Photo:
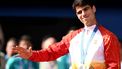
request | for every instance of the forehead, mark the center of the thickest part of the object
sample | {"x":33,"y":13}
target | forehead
{"x":22,"y":41}
{"x":11,"y":42}
{"x":82,"y":7}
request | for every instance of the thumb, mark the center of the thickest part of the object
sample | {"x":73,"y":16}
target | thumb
{"x":30,"y":49}
{"x":29,"y":52}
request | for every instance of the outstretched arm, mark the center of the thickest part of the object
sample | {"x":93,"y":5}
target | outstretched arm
{"x":51,"y":53}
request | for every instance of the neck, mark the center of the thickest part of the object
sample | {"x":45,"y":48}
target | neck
{"x":89,"y":25}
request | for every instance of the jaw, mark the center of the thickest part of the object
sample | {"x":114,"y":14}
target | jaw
{"x":86,"y":23}
{"x":89,"y":22}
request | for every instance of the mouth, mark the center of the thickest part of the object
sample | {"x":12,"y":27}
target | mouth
{"x":85,"y":19}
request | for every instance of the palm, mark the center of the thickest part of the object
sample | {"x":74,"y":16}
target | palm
{"x":24,"y":53}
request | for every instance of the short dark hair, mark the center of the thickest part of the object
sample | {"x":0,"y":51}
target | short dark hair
{"x":82,"y":3}
{"x":12,"y":39}
{"x":27,"y":39}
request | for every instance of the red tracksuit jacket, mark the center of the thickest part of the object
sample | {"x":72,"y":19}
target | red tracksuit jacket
{"x":111,"y":49}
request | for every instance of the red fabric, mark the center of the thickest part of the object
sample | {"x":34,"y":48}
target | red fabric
{"x":111,"y":49}
{"x":54,"y":51}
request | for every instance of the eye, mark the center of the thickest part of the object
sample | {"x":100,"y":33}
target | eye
{"x":79,"y":12}
{"x":85,"y":9}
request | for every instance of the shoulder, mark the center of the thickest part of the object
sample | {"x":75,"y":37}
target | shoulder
{"x":105,"y":31}
{"x":13,"y":62}
{"x":106,"y":34}
{"x":14,"y":59}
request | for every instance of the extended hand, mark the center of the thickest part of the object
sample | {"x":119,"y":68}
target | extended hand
{"x":24,"y":53}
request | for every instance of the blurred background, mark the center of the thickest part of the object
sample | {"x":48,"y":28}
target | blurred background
{"x":41,"y":17}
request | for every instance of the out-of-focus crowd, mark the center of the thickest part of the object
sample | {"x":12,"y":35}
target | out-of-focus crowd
{"x":11,"y":60}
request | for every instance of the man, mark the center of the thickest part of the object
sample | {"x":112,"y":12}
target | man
{"x":91,"y":47}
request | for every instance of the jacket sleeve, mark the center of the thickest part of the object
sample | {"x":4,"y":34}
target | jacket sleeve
{"x":51,"y":53}
{"x":112,"y":52}
{"x":54,"y":51}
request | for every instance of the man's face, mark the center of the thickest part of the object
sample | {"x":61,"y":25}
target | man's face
{"x":86,"y":14}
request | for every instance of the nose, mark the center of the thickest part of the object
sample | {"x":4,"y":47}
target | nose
{"x":83,"y":14}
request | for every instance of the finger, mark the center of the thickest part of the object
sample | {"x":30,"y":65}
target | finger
{"x":18,"y":49}
{"x":30,"y":52}
{"x":14,"y":49}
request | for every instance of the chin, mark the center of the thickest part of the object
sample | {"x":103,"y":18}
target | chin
{"x":88,"y":24}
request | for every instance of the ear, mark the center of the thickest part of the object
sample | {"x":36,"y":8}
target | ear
{"x":94,"y":8}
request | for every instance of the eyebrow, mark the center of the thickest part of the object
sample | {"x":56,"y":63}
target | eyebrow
{"x":84,"y":8}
